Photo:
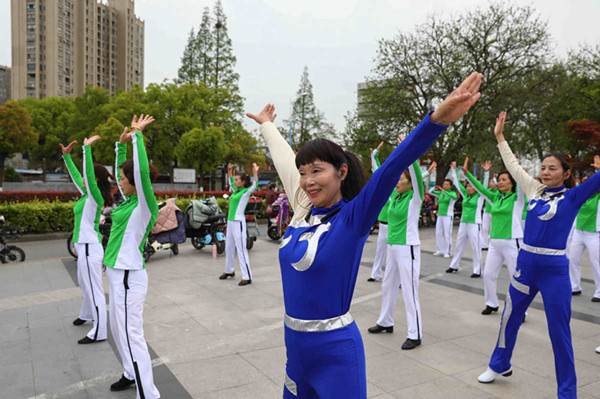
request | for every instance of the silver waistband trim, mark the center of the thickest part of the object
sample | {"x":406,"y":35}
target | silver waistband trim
{"x":290,"y":385}
{"x":543,"y":251}
{"x":318,"y":325}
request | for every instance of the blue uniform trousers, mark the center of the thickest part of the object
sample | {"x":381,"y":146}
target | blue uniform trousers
{"x":325,"y":364}
{"x":532,"y":275}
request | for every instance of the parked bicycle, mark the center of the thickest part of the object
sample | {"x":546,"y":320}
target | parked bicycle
{"x":10,"y":253}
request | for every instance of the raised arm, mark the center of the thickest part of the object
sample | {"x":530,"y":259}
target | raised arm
{"x":121,"y":156}
{"x":485,"y":192}
{"x":375,"y":164}
{"x":417,"y":178}
{"x":284,"y":160}
{"x":91,"y":184}
{"x":588,"y":188}
{"x":71,"y":168}
{"x":141,"y":166}
{"x":528,"y":184}
{"x":461,"y":189}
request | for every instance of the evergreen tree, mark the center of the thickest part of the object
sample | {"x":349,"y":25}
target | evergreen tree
{"x":187,"y":71}
{"x":307,"y":121}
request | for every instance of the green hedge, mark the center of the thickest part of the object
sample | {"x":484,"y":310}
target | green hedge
{"x":51,"y":216}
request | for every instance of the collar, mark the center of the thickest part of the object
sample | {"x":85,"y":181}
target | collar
{"x":324,"y":211}
{"x":556,"y":190}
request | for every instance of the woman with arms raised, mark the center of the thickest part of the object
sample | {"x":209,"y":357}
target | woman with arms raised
{"x":542,"y":264}
{"x":321,"y":250}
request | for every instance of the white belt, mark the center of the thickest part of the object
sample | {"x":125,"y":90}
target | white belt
{"x":543,"y":251}
{"x":318,"y":325}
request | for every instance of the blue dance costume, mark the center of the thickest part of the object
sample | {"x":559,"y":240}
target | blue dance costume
{"x":542,"y":265}
{"x":319,"y":258}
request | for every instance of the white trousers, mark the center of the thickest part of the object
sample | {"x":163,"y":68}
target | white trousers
{"x":128,"y":290}
{"x":581,"y":241}
{"x":402,"y":268}
{"x":500,"y":250}
{"x":236,"y":240}
{"x":89,"y":276}
{"x":486,"y":224}
{"x":467,"y":232}
{"x":443,"y":235}
{"x":380,"y":252}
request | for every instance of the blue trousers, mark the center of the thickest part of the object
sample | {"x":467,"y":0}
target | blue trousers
{"x":532,"y":275}
{"x":325,"y":364}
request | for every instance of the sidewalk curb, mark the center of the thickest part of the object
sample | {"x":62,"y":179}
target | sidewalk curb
{"x":44,"y":237}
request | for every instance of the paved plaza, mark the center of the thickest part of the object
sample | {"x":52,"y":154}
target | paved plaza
{"x":212,"y":339}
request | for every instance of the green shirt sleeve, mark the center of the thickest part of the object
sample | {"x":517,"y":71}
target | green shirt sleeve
{"x":479,"y":187}
{"x":461,"y":189}
{"x":120,"y":157}
{"x":450,"y":193}
{"x":141,"y":174}
{"x":417,"y":178}
{"x":74,"y":173}
{"x":90,"y":176}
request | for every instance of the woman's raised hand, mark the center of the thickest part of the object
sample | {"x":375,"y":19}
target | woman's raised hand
{"x":125,"y":136}
{"x":438,"y":188}
{"x":266,"y":115}
{"x":459,"y":101}
{"x":487,"y":165}
{"x":465,"y":166}
{"x":400,"y":139}
{"x":91,"y":140}
{"x":596,"y":163}
{"x":137,"y":125}
{"x":255,"y":169}
{"x":432,"y":168}
{"x":500,"y":127}
{"x":376,"y":149}
{"x":67,"y":150}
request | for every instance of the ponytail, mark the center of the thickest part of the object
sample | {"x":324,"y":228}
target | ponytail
{"x":104,"y":183}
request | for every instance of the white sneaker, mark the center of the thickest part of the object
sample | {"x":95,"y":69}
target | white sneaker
{"x":447,"y":256}
{"x":490,"y":375}
{"x":437,"y":254}
{"x":598,"y":349}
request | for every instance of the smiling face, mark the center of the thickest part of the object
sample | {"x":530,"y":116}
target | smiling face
{"x":470,"y":189}
{"x":238,"y":182}
{"x":504,"y":183}
{"x":552,"y":173}
{"x":404,"y":184}
{"x":446,"y":185}
{"x":322,"y":182}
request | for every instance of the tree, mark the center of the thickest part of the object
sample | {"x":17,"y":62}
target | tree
{"x":307,"y":121}
{"x":16,"y":133}
{"x":202,"y":149}
{"x":104,"y":149}
{"x":413,"y":72}
{"x":197,"y":61}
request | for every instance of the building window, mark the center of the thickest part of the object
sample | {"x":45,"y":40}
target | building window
{"x":30,"y":57}
{"x":59,"y":48}
{"x":31,"y":76}
{"x":60,"y":68}
{"x":30,"y":38}
{"x":31,"y":27}
{"x":30,"y":86}
{"x":30,"y":17}
{"x":31,"y":7}
{"x":31,"y":47}
{"x":59,"y":87}
{"x":60,"y":58}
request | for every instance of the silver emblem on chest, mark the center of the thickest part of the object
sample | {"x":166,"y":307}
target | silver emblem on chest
{"x":311,"y":250}
{"x":553,"y":207}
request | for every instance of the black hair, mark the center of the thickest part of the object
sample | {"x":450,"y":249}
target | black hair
{"x":245,"y":178}
{"x":127,"y":168}
{"x":514,"y":183}
{"x":104,"y":183}
{"x":330,"y":152}
{"x":449,"y":181}
{"x":272,"y":186}
{"x":565,"y":162}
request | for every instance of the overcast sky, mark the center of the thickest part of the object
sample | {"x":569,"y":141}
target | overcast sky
{"x":336,"y":39}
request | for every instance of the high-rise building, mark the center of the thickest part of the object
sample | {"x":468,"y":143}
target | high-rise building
{"x":61,"y":46}
{"x":4,"y":84}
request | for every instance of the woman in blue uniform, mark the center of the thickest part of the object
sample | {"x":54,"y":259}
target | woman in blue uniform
{"x":542,"y":264}
{"x":320,"y":253}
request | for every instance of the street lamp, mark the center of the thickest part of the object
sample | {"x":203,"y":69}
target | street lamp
{"x":302,"y":95}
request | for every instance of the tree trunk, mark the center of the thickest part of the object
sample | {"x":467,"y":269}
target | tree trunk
{"x":2,"y":159}
{"x":442,"y":171}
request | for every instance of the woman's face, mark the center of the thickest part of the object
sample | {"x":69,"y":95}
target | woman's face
{"x":126,"y":187}
{"x":504,"y":183}
{"x":446,"y":185}
{"x":493,"y":185}
{"x":238,"y":182}
{"x":322,"y":182}
{"x":404,"y":184}
{"x":552,"y":173}
{"x":470,"y":189}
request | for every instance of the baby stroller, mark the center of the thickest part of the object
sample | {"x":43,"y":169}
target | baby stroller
{"x":253,"y":207}
{"x":280,"y":217}
{"x":205,"y":224}
{"x":168,"y":231}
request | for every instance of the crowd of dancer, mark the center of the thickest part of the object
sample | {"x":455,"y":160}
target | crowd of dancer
{"x":334,"y":209}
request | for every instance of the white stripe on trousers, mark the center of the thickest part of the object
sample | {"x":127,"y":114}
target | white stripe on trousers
{"x":581,"y":241}
{"x":467,"y":232}
{"x":486,"y":224}
{"x":128,"y":290}
{"x":89,"y":276}
{"x":380,"y":252}
{"x":500,"y":250}
{"x":236,"y":240}
{"x":403,"y":267}
{"x":443,"y":235}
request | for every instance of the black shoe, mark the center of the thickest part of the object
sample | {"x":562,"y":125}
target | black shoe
{"x":489,"y":310}
{"x":88,"y":340}
{"x":575,"y":293}
{"x":78,"y":322}
{"x":245,"y":282}
{"x":371,"y":279}
{"x":451,"y":270}
{"x":594,"y":299}
{"x":225,"y":275}
{"x":524,"y":317}
{"x":411,"y":344}
{"x":475,"y":275}
{"x":376,"y":329}
{"x":484,"y":249}
{"x":122,"y":384}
